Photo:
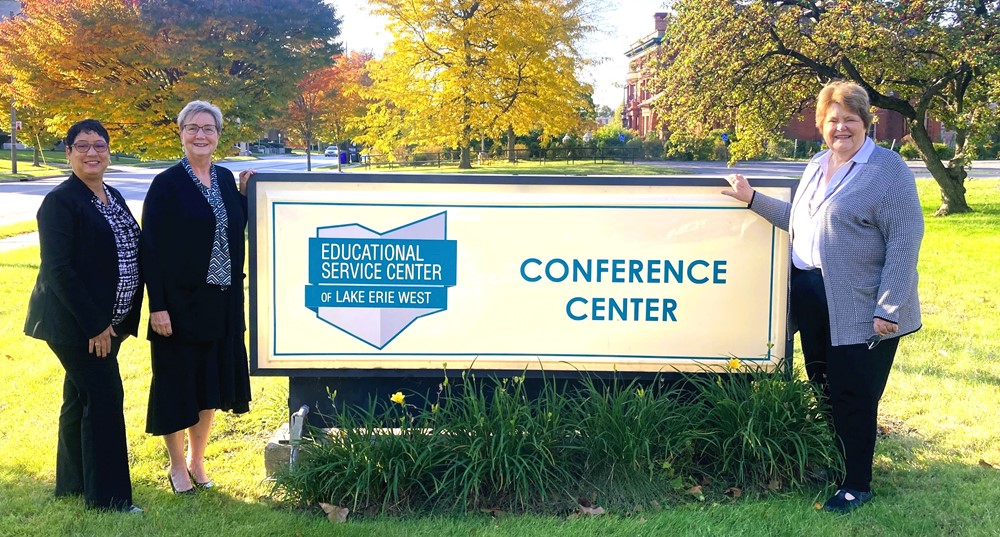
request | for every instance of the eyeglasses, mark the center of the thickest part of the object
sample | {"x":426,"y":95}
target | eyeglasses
{"x":873,"y":341}
{"x":193,"y":129}
{"x":84,"y":147}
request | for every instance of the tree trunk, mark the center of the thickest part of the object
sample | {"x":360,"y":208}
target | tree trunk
{"x":950,"y":178}
{"x":511,"y":142}
{"x":465,"y":162}
{"x":37,"y":155}
{"x":309,"y":162}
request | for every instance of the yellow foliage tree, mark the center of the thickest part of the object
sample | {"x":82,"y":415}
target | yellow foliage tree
{"x":461,"y":68}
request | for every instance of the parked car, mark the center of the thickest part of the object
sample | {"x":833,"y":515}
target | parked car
{"x":331,"y":151}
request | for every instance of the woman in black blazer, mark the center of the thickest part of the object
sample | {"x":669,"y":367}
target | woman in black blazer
{"x":193,"y":222}
{"x":86,"y":300}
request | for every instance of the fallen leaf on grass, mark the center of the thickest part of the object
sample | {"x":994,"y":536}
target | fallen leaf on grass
{"x":335,"y":513}
{"x":774,"y":485}
{"x":817,"y":506}
{"x":735,"y":492}
{"x":985,"y":464}
{"x":597,"y":510}
{"x":697,"y":493}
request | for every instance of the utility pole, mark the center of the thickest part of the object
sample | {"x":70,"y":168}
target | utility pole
{"x":13,"y":137}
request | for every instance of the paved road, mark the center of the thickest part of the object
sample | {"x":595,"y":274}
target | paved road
{"x":19,"y":200}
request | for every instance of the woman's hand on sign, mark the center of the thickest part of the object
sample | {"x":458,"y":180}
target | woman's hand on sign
{"x":739,"y":188}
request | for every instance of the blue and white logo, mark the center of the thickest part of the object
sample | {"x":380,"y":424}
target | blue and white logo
{"x":374,"y":285}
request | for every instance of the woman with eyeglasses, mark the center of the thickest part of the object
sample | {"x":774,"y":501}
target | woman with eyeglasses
{"x":856,"y":226}
{"x":86,"y":300}
{"x":193,"y":222}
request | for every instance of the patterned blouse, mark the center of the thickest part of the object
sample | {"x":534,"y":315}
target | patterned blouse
{"x":220,"y":264}
{"x":126,"y":232}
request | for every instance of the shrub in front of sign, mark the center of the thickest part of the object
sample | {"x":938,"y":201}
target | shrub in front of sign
{"x":760,"y":429}
{"x":490,"y":444}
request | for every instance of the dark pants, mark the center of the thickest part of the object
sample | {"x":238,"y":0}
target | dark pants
{"x":92,"y":457}
{"x":851,"y":376}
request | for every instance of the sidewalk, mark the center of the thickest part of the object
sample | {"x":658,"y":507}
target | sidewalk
{"x":19,"y":241}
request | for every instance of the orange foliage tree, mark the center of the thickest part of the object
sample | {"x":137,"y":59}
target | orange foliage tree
{"x":134,"y":63}
{"x":327,"y":102}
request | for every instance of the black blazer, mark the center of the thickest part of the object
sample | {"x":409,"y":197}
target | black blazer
{"x":74,"y":295}
{"x":178,"y":228}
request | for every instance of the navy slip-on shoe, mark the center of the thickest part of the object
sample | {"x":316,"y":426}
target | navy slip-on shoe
{"x":847,"y":500}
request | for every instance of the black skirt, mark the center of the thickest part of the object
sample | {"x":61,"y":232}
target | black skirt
{"x":191,"y":376}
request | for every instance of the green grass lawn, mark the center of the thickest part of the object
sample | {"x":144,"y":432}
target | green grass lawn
{"x":932,"y":468}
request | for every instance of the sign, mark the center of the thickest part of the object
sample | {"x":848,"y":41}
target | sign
{"x":17,"y":125}
{"x":407,"y":273}
{"x":621,"y":138}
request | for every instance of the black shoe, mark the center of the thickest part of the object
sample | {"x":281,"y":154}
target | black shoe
{"x":173,"y":488}
{"x":206,"y":485}
{"x":847,"y":500}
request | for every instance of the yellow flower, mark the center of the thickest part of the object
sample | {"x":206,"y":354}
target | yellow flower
{"x":641,"y":392}
{"x":398,"y":397}
{"x":734,"y":363}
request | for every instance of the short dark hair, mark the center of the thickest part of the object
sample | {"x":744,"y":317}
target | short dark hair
{"x":86,"y":125}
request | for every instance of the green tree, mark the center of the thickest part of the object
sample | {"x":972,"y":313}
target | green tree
{"x":756,"y":63}
{"x":462,"y":68}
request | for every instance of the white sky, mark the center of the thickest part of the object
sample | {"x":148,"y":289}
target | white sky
{"x":625,"y":22}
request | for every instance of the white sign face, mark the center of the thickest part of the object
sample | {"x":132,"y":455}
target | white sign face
{"x":415,"y":275}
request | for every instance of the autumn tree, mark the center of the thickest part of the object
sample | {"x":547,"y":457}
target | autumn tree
{"x":457,"y":69}
{"x":135,"y":63}
{"x":326,"y":101}
{"x":757,"y":63}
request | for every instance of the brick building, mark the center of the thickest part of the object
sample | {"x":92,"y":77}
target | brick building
{"x":638,"y":113}
{"x":886,"y":126}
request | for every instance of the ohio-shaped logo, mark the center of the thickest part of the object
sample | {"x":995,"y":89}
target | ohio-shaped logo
{"x":374,"y":285}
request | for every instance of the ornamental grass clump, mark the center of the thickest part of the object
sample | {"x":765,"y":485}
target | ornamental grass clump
{"x":384,"y":457}
{"x":506,"y":449}
{"x":497,"y":444}
{"x":758,"y":428}
{"x":637,"y":431}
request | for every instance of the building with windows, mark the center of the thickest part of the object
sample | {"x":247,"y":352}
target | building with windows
{"x":637,"y":112}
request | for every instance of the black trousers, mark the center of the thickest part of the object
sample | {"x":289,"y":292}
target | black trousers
{"x":92,"y":456}
{"x":852,"y":377}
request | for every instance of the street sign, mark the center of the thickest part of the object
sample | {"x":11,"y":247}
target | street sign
{"x":17,"y":125}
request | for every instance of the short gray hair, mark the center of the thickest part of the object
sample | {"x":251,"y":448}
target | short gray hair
{"x":194,"y":108}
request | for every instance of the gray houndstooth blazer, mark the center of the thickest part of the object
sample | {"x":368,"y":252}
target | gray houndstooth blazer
{"x":870,"y":233}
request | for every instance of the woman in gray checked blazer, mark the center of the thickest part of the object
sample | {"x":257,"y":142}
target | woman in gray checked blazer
{"x":856,"y":225}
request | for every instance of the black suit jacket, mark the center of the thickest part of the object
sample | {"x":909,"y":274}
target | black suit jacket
{"x":178,"y":228}
{"x":74,"y":295}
